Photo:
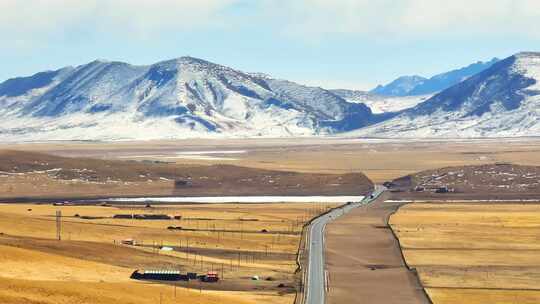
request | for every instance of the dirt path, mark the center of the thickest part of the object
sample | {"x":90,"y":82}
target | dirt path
{"x":364,"y":261}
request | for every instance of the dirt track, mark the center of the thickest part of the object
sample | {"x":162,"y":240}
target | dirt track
{"x":364,"y":260}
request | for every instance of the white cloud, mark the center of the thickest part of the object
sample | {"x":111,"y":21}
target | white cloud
{"x":28,"y":19}
{"x":147,"y":16}
{"x":406,"y":18}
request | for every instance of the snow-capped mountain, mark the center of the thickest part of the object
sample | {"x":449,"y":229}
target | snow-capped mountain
{"x":189,"y":97}
{"x":503,"y":100}
{"x":418,"y":85}
{"x":179,"y":98}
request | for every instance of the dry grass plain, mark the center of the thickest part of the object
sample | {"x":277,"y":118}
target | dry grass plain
{"x":218,"y":234}
{"x":473,"y":253}
{"x":380,"y":160}
{"x":90,"y":266}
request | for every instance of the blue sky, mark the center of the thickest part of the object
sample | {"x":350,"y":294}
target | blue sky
{"x":329,"y":43}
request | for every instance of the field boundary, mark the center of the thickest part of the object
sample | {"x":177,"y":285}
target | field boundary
{"x":411,"y":269}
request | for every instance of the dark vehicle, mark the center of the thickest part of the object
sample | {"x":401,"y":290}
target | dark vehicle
{"x":442,"y":190}
{"x":181,"y":183}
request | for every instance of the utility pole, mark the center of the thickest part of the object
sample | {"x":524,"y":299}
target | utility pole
{"x":187,"y":249}
{"x":59,"y":225}
{"x":222,"y":272}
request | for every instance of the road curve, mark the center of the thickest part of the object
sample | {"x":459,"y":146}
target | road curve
{"x":316,"y":275}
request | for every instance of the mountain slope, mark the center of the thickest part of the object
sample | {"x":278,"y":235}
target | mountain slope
{"x":503,"y":100}
{"x":179,"y":98}
{"x":417,"y":85}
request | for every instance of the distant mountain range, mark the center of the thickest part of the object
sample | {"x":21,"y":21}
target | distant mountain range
{"x":418,"y":85}
{"x":503,"y":100}
{"x":189,"y":97}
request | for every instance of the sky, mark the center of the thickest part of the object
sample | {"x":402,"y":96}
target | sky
{"x":354,"y":44}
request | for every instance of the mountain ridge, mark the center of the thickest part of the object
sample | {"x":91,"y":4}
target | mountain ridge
{"x":417,"y":85}
{"x":188,"y":97}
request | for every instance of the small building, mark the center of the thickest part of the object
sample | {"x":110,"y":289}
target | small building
{"x":130,"y":242}
{"x":158,"y":275}
{"x":151,"y":217}
{"x":211,"y":277}
{"x":123,"y":216}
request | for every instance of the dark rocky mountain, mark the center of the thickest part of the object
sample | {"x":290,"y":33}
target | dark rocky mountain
{"x":402,"y":86}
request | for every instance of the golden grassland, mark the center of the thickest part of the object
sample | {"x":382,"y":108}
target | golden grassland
{"x":380,"y":160}
{"x":90,"y":266}
{"x":473,"y":252}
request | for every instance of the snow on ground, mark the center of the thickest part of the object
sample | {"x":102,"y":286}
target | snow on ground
{"x":241,"y":199}
{"x":394,"y":104}
{"x":196,"y":155}
{"x":528,"y":64}
{"x":212,"y":152}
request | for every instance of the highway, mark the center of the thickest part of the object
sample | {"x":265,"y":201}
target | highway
{"x":315,"y":289}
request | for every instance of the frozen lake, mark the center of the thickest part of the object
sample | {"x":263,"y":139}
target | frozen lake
{"x":241,"y":199}
{"x":195,"y":155}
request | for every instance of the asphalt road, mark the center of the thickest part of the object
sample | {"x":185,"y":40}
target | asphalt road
{"x":316,"y":273}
